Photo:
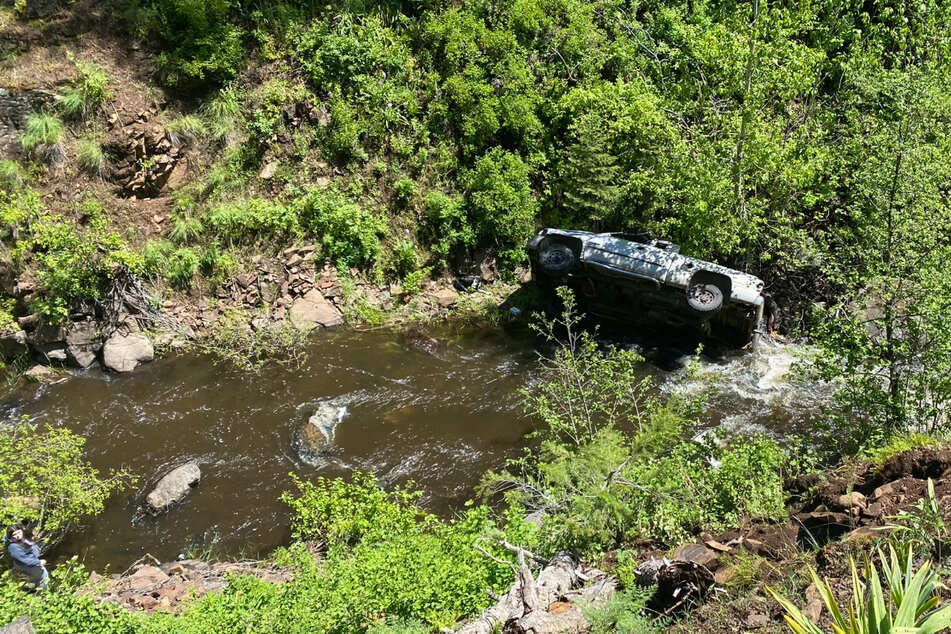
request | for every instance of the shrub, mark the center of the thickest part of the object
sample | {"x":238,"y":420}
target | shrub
{"x":349,"y":234}
{"x":413,"y":282}
{"x":403,"y":258}
{"x":71,"y":262}
{"x":43,"y":138}
{"x":65,"y":606}
{"x":201,"y":45}
{"x":600,"y":486}
{"x":45,"y":480}
{"x":185,"y":229}
{"x":501,"y":203}
{"x":11,"y":177}
{"x":85,"y":94}
{"x":251,"y":219}
{"x":156,"y":255}
{"x":216,"y":265}
{"x":181,"y":269}
{"x":447,"y":225}
{"x":252,"y":349}
{"x":385,"y":555}
{"x":910,"y":605}
{"x":404,"y":189}
{"x":90,"y":156}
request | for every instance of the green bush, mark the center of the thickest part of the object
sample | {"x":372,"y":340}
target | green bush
{"x":182,"y":267}
{"x":404,"y":190}
{"x":64,"y":607}
{"x":601,"y":486}
{"x":72,"y":262}
{"x":156,"y":255}
{"x":11,"y":176}
{"x":381,"y":545}
{"x":501,"y":203}
{"x":216,"y":265}
{"x":403,"y":258}
{"x":348,"y":233}
{"x":201,"y":45}
{"x":447,"y":226}
{"x":44,"y":478}
{"x":252,"y":219}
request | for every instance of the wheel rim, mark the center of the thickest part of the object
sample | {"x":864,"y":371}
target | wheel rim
{"x":702,"y":295}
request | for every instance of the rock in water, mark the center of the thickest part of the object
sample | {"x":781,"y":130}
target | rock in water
{"x":317,"y":434}
{"x":174,"y":486}
{"x":123,"y":353}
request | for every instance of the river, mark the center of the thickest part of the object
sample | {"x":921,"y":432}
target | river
{"x":439,"y":419}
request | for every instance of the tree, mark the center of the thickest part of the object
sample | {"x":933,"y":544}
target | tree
{"x":590,"y":173}
{"x":888,"y":341}
{"x":45,"y":480}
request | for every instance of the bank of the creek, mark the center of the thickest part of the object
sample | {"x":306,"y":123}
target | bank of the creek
{"x":439,"y":418}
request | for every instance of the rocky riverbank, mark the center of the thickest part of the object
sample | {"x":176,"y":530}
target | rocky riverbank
{"x":290,"y":291}
{"x":714,"y":584}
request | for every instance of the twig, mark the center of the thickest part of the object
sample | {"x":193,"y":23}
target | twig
{"x":496,"y":559}
{"x":518,"y":549}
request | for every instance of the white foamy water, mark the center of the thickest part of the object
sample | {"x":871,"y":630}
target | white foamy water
{"x":752,"y":392}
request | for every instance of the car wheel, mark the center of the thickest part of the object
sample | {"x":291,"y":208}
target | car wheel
{"x":556,"y":259}
{"x":705,"y":297}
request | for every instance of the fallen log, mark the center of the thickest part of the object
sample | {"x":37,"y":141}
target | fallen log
{"x":546,"y":604}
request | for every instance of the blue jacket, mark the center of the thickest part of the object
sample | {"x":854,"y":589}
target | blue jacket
{"x":24,"y":554}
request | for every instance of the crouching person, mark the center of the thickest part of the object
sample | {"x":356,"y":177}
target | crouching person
{"x":26,"y":555}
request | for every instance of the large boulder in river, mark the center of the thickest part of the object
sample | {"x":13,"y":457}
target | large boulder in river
{"x":316,"y":436}
{"x":83,"y":343}
{"x":123,"y":353}
{"x":313,"y":310}
{"x":174,"y":486}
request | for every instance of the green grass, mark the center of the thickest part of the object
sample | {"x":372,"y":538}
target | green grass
{"x":42,"y":137}
{"x":879,"y":456}
{"x":185,"y":130}
{"x":11,"y":176}
{"x":90,"y":157}
{"x":86,"y":94}
{"x":185,"y":229}
{"x":222,"y":114}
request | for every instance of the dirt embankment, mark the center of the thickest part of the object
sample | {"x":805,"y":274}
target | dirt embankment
{"x":833,"y":517}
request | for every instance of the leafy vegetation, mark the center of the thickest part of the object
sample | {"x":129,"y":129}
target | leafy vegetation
{"x":46,"y":481}
{"x":71,"y":262}
{"x":911,"y":604}
{"x":614,"y":464}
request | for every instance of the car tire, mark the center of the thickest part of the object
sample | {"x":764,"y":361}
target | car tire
{"x":705,"y":297}
{"x":556,"y":259}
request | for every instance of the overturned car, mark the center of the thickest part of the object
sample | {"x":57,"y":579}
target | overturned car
{"x":634,"y":279}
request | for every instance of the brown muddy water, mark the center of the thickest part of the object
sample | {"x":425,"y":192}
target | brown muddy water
{"x":440,"y":420}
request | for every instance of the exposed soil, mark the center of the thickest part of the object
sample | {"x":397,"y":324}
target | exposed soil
{"x":829,"y":523}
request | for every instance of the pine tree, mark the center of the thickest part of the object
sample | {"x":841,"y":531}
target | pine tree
{"x":588,"y":186}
